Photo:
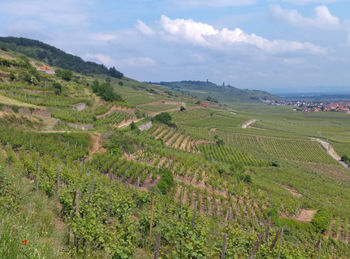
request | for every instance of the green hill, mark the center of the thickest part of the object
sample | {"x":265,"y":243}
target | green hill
{"x":222,"y":93}
{"x":55,"y":57}
{"x":99,"y":167}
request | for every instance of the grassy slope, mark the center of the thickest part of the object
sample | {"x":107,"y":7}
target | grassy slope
{"x":28,"y":215}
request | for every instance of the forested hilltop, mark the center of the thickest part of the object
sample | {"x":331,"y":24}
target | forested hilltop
{"x":95,"y":166}
{"x":55,"y":57}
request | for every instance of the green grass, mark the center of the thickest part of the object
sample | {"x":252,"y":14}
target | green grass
{"x":9,"y":101}
{"x":27,"y":215}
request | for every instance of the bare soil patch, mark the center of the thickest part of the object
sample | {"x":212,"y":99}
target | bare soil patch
{"x":305,"y":215}
{"x":97,"y":145}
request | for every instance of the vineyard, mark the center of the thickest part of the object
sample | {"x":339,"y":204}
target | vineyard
{"x":229,"y":155}
{"x":193,"y":185}
{"x":173,"y":138}
{"x":282,"y":148}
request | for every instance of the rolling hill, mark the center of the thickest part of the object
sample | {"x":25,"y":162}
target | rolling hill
{"x":223,"y":93}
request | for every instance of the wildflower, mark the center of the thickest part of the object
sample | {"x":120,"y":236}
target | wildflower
{"x":24,"y":241}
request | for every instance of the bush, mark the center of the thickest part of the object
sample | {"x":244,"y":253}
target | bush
{"x":164,"y":117}
{"x":57,"y":88}
{"x":321,"y":221}
{"x":64,"y":74}
{"x":246,"y":178}
{"x":166,"y":182}
{"x":105,"y":90}
{"x":15,"y":108}
{"x":345,"y":158}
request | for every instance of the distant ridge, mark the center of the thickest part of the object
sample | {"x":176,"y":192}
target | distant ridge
{"x":222,"y":93}
{"x":55,"y":57}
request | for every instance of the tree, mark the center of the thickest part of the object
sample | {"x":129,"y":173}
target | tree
{"x":57,"y":88}
{"x":12,"y":76}
{"x":219,"y":142}
{"x":64,"y":74}
{"x":166,"y":182}
{"x":115,"y":73}
{"x":164,"y":117}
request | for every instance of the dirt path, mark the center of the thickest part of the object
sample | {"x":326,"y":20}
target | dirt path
{"x":97,"y":145}
{"x":248,"y":123}
{"x":331,"y":151}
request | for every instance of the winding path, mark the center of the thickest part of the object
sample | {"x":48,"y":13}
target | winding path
{"x":248,"y":123}
{"x":331,"y":151}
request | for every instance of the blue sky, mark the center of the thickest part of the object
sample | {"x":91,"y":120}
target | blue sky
{"x":276,"y":45}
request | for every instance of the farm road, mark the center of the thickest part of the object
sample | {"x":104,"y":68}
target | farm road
{"x":331,"y":151}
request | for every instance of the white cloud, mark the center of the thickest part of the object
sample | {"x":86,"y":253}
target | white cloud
{"x":323,"y":18}
{"x":66,"y":12}
{"x":100,"y":58}
{"x":206,"y":35}
{"x":304,"y":2}
{"x":102,"y":36}
{"x":293,"y":61}
{"x":138,"y":62}
{"x":215,"y":3}
{"x":143,"y":28}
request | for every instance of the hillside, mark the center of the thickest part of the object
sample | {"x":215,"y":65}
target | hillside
{"x":99,"y":167}
{"x":55,"y":57}
{"x":222,"y":93}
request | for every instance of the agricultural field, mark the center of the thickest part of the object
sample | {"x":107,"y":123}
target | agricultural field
{"x":181,"y":188}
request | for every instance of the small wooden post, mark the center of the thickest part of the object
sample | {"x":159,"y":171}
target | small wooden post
{"x":279,"y":248}
{"x":223,"y":251}
{"x":180,"y":207}
{"x":151,"y":220}
{"x":87,"y":174}
{"x":109,"y":205}
{"x":92,"y":188}
{"x":257,"y":245}
{"x":267,"y":229}
{"x":77,"y":204}
{"x":319,"y":248}
{"x":58,"y":180}
{"x":71,"y":215}
{"x":156,"y":255}
{"x":37,"y":176}
{"x":194,"y":213}
{"x":275,"y":239}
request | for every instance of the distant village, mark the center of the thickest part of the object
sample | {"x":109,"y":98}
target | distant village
{"x":318,"y":106}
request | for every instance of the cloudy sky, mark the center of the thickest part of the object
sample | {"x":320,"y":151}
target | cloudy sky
{"x":277,"y":45}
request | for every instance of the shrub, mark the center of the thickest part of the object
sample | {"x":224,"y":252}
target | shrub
{"x":164,"y":117}
{"x":64,"y":74}
{"x":345,"y":158}
{"x":105,"y":90}
{"x":166,"y":182}
{"x":321,"y":221}
{"x":15,"y":108}
{"x":57,"y":87}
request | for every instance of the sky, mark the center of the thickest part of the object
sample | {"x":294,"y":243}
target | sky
{"x":274,"y":45}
